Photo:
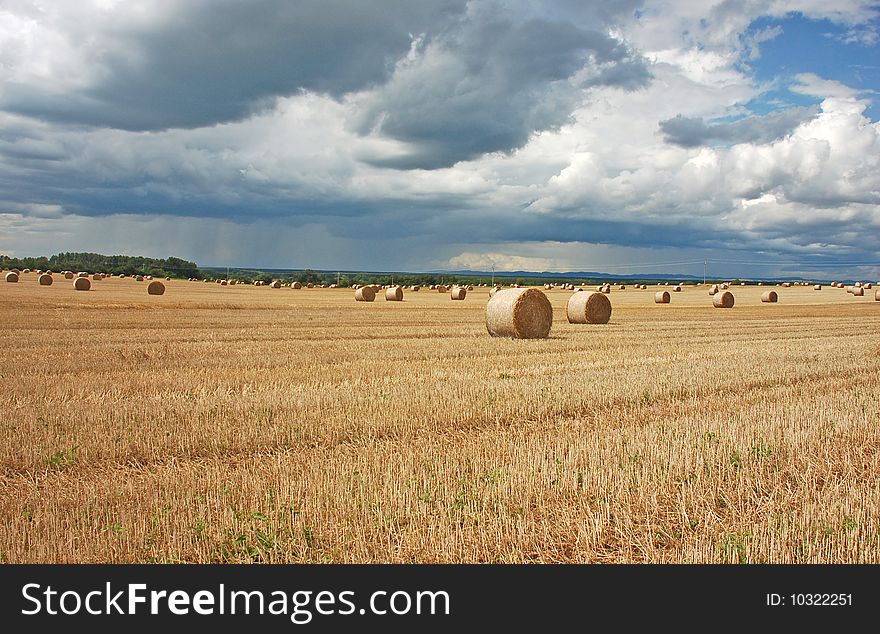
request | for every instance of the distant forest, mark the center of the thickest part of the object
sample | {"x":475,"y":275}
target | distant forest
{"x":113,"y":264}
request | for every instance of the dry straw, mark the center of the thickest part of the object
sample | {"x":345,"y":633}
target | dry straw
{"x":45,"y":280}
{"x":82,"y":284}
{"x":365,"y":294}
{"x":770,"y":297}
{"x":858,"y":291}
{"x":588,"y":308}
{"x":394,"y":294}
{"x":519,"y":313}
{"x":459,"y":293}
{"x":12,"y":277}
{"x":662,"y":297}
{"x":723,"y":300}
{"x":156,"y":288}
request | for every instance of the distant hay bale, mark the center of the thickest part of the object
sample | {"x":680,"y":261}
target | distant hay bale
{"x":334,"y":286}
{"x":275,"y":284}
{"x":26,"y":271}
{"x":858,"y":284}
{"x":662,"y":297}
{"x":365,"y":294}
{"x":416,"y":288}
{"x":858,"y":291}
{"x":442,"y":289}
{"x":233,"y":282}
{"x":723,"y":300}
{"x":68,"y":275}
{"x":817,"y":287}
{"x":45,"y":280}
{"x":622,"y":287}
{"x":310,"y":285}
{"x":770,"y":297}
{"x":82,"y":274}
{"x":877,"y":295}
{"x":742,"y":283}
{"x":394,"y":294}
{"x":82,"y":284}
{"x":223,"y":283}
{"x":12,"y":277}
{"x":786,"y":285}
{"x":760,"y":283}
{"x":494,"y":290}
{"x":296,"y":285}
{"x":606,"y":289}
{"x":167,"y":278}
{"x":459,"y":293}
{"x":519,"y":313}
{"x":156,"y":288}
{"x":588,"y":308}
{"x":867,"y":286}
{"x":676,"y":289}
{"x":713,"y":289}
{"x":725,"y":286}
{"x":547,"y":287}
{"x":140,"y":278}
{"x":849,"y":289}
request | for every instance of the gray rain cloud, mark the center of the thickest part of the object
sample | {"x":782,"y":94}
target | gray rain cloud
{"x":694,"y":131}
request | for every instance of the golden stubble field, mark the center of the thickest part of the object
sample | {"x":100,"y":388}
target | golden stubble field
{"x":230,"y":424}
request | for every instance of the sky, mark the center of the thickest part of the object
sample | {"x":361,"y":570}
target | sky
{"x":390,"y":135}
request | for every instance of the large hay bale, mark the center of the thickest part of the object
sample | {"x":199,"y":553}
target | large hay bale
{"x":858,"y":291}
{"x":296,"y":285}
{"x":519,"y":313}
{"x":867,"y":286}
{"x":156,"y":288}
{"x":588,"y":308}
{"x":724,"y":299}
{"x":459,"y":293}
{"x":662,"y":297}
{"x":82,"y":284}
{"x":365,"y":294}
{"x":12,"y":277}
{"x":877,"y":295}
{"x":713,"y":289}
{"x":769,"y":297}
{"x":394,"y":294}
{"x":45,"y":280}
{"x":849,"y":289}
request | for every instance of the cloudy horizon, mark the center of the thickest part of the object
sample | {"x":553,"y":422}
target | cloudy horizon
{"x":447,"y":134}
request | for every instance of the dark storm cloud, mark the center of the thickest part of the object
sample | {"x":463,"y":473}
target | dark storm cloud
{"x":216,"y":61}
{"x":489,"y":84}
{"x":694,"y":131}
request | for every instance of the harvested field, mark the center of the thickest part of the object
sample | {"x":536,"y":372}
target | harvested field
{"x":229,"y":423}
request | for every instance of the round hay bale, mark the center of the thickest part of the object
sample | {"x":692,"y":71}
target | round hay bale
{"x":742,"y":283}
{"x":817,"y":287}
{"x":770,"y":297}
{"x":494,"y":290}
{"x":45,"y":280}
{"x":723,"y":300}
{"x":167,"y":278}
{"x":867,"y":286}
{"x":140,"y":278}
{"x":676,"y":289}
{"x":588,"y":308}
{"x":296,"y":285}
{"x":858,"y":284}
{"x":82,"y":274}
{"x":12,"y":277}
{"x":760,"y":283}
{"x":233,"y":282}
{"x":849,"y":289}
{"x":519,"y":313}
{"x":606,"y":289}
{"x":416,"y":288}
{"x":26,"y":271}
{"x":394,"y":294}
{"x":68,"y":275}
{"x":622,"y":287}
{"x":223,"y":283}
{"x":459,"y":293}
{"x":364,"y":294}
{"x":275,"y":284}
{"x":713,"y":289}
{"x":858,"y":291}
{"x":725,"y":286}
{"x":877,"y":295}
{"x":82,"y":284}
{"x":547,"y":287}
{"x":786,"y":285}
{"x":442,"y":289}
{"x":662,"y":297}
{"x":156,"y":288}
